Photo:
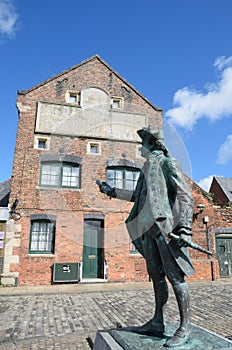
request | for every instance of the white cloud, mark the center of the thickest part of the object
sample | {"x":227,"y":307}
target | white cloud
{"x":8,"y":18}
{"x":215,"y":103}
{"x":206,"y":183}
{"x":225,"y":151}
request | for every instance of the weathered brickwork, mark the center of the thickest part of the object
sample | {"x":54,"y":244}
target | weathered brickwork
{"x":71,"y":207}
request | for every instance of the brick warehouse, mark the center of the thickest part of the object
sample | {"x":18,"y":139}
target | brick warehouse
{"x":75,"y":128}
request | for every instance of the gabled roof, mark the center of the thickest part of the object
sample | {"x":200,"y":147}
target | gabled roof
{"x":4,"y":193}
{"x":24,"y":92}
{"x":226,"y":185}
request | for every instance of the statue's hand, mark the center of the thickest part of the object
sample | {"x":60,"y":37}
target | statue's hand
{"x":112,"y":193}
{"x":184,"y":235}
{"x":107,"y":189}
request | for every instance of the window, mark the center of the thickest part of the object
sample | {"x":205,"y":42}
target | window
{"x":133,"y":250}
{"x":72,"y":97}
{"x":94,"y":148}
{"x":42,"y":144}
{"x":60,"y":175}
{"x":42,"y":237}
{"x":116,"y":102}
{"x":123,"y":178}
{"x":139,"y":151}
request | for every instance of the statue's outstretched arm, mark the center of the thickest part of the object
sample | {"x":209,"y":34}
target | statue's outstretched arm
{"x":113,"y":192}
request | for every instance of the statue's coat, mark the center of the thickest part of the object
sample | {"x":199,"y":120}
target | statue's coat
{"x":163,"y":204}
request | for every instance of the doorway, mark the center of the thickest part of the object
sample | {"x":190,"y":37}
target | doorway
{"x":93,"y":259}
{"x":224,"y":254}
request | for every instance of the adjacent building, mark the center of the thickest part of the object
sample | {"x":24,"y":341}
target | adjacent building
{"x":221,"y":189}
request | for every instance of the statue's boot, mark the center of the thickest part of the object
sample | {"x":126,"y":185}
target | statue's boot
{"x":180,"y":337}
{"x":182,"y":334}
{"x":150,"y":328}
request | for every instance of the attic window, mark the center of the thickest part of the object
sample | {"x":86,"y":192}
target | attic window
{"x":94,"y":148}
{"x":116,"y":103}
{"x":72,"y":97}
{"x":139,"y":151}
{"x":41,"y":142}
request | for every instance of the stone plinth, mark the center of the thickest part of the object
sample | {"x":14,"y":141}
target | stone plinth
{"x":201,"y":339}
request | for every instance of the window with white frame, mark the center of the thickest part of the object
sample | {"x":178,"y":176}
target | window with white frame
{"x":72,"y":97}
{"x":116,"y":102}
{"x":42,"y":237}
{"x":94,"y":148}
{"x":57,"y":174}
{"x":41,"y":142}
{"x":123,"y":177}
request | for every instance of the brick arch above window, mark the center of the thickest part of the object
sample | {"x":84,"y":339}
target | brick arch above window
{"x":48,"y":217}
{"x":57,"y":157}
{"x":60,"y":171}
{"x":121,"y":162}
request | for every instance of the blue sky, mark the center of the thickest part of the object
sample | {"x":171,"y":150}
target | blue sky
{"x":177,"y":53}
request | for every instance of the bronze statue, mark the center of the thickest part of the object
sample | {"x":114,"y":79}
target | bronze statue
{"x":163,"y":205}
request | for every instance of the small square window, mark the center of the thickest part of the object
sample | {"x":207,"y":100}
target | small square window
{"x":72,"y":97}
{"x":41,"y":142}
{"x":116,"y":103}
{"x":94,"y":148}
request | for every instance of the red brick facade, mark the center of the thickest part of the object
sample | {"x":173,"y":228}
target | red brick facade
{"x":70,"y":207}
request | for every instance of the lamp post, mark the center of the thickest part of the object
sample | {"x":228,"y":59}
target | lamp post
{"x":205,"y":222}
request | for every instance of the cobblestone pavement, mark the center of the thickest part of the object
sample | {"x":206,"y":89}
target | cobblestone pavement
{"x":68,"y":319}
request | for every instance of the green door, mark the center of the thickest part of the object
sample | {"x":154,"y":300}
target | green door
{"x":224,"y":255}
{"x":93,"y":249}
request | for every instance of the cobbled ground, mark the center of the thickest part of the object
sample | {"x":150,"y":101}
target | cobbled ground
{"x":69,"y":320}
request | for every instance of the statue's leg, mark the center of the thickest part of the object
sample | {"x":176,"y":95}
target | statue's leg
{"x":155,"y":270}
{"x":176,"y":277}
{"x":182,"y":334}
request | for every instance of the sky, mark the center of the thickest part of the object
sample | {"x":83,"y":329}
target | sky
{"x":177,"y":53}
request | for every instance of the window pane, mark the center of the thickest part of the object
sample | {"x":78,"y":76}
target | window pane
{"x":93,"y":149}
{"x":50,"y":174}
{"x":129,"y":180}
{"x":42,"y":144}
{"x":118,"y":179}
{"x":116,"y":104}
{"x":70,"y":176}
{"x":136,"y":175}
{"x":73,"y":98}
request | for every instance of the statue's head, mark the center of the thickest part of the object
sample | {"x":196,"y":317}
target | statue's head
{"x":152,"y":140}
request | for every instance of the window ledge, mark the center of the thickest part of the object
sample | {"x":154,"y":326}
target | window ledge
{"x":59,"y":188}
{"x":35,"y":255}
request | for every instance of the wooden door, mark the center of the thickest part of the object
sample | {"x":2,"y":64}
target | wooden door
{"x":92,"y":260}
{"x":224,"y":255}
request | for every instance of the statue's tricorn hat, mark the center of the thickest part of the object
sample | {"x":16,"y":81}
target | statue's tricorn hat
{"x":149,"y":132}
